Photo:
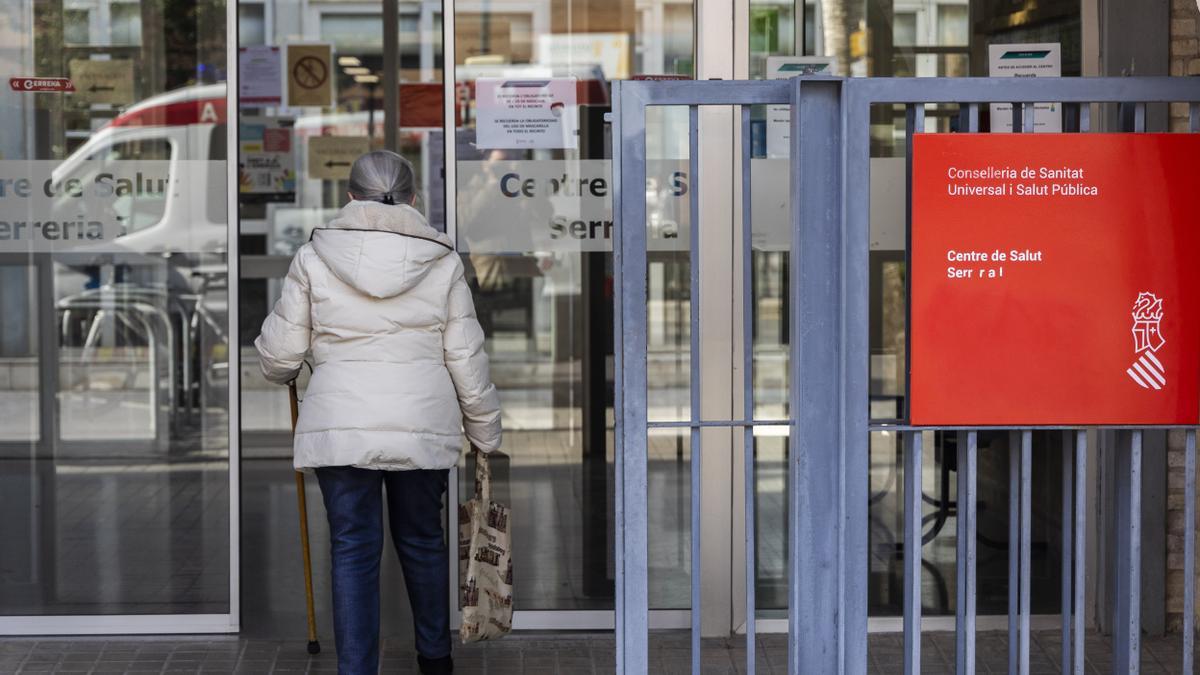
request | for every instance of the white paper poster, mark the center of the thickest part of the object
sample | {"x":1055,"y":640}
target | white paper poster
{"x":1026,"y":60}
{"x":779,"y":117}
{"x":526,"y":113}
{"x":260,"y":76}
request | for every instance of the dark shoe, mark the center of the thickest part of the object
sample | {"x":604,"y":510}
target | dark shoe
{"x":442,"y":666}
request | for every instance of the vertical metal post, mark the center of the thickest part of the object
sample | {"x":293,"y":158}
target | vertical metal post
{"x":618,"y":380}
{"x":1014,"y":536}
{"x":748,"y":385}
{"x":391,"y":75}
{"x":1026,"y":526}
{"x":1127,"y":622}
{"x":912,"y":553}
{"x":967,"y":557}
{"x":914,"y":122}
{"x":1080,"y":558}
{"x":855,"y":377}
{"x":817,"y":502}
{"x":1189,"y":550}
{"x":694,"y":362}
{"x":49,"y":425}
{"x":1068,"y":502}
{"x":631,"y":602}
{"x":968,"y":455}
{"x":1023,"y":121}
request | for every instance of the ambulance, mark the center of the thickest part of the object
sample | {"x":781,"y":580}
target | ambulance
{"x":187,"y":128}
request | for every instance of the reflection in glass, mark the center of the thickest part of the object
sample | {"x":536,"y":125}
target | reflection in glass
{"x":114,"y":382}
{"x":534,"y":224}
{"x":279,"y":212}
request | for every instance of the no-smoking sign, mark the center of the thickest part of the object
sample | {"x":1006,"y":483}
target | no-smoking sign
{"x":310,"y":72}
{"x":309,"y":83}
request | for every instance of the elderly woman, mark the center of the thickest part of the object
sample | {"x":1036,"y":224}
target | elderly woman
{"x":379,"y":298}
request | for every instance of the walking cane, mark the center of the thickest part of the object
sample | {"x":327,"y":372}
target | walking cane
{"x":314,"y":647}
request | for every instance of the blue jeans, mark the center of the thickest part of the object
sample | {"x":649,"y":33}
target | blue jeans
{"x":354,"y":503}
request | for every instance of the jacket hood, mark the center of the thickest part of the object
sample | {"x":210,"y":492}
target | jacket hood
{"x":380,"y":249}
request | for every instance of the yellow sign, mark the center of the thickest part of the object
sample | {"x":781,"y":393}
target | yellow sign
{"x":310,"y":75}
{"x":330,"y":157}
{"x":103,"y":81}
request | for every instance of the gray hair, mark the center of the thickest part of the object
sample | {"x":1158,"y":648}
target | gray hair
{"x":382,"y":176}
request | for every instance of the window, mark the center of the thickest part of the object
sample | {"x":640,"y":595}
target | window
{"x":138,"y":210}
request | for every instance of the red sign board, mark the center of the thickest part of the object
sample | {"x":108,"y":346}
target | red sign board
{"x":41,"y":84}
{"x":1055,"y":279}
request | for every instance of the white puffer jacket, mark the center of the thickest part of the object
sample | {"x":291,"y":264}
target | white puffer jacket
{"x":400,"y":371}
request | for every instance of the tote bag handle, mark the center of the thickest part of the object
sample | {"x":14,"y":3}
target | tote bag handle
{"x":483,"y":478}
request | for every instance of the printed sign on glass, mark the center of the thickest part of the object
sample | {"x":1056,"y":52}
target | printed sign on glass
{"x":519,"y":206}
{"x":779,"y":117}
{"x":1026,"y":60}
{"x":330,"y":157}
{"x":260,"y":76}
{"x":526,"y":113}
{"x":266,"y":161}
{"x":104,"y":205}
{"x":103,"y":81}
{"x":310,"y":75}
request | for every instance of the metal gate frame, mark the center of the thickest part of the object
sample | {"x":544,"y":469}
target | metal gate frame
{"x":828,"y":424}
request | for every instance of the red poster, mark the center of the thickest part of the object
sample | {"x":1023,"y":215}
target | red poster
{"x":1055,"y":279}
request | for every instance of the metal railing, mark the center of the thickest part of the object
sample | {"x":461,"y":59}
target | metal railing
{"x":828,"y":398}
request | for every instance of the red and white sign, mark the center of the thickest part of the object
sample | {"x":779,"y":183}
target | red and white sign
{"x":31,"y":84}
{"x":1055,"y":279}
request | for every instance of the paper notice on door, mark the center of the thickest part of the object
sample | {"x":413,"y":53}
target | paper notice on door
{"x":266,"y":161}
{"x":260,"y":76}
{"x":779,"y":117}
{"x":1026,"y":60}
{"x":526,"y":113}
{"x":330,"y":157}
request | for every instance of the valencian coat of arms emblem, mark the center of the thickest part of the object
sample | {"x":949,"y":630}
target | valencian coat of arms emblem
{"x":1147,"y":371}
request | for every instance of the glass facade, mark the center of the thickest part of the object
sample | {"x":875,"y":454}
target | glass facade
{"x":115,"y":386}
{"x":540,"y":259}
{"x":114,"y":379}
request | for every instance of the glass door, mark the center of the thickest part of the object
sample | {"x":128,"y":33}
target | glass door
{"x":116,"y":432}
{"x":532,"y":218}
{"x":533,"y":223}
{"x":382,"y":89}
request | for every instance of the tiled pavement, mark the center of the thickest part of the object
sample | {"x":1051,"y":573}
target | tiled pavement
{"x":534,"y":654}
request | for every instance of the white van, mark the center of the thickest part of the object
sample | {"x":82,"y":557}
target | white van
{"x":186,"y":127}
